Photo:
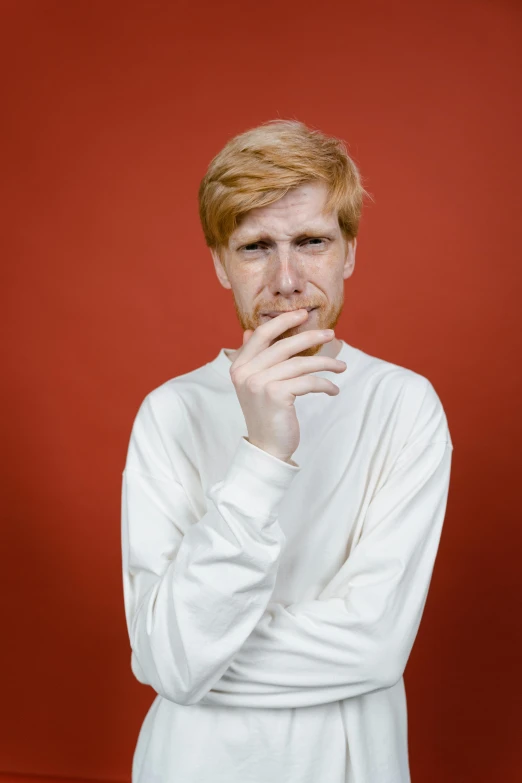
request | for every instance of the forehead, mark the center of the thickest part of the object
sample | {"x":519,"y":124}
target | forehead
{"x":300,"y":209}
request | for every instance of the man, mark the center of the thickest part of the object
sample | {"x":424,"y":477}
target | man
{"x":278,"y":543}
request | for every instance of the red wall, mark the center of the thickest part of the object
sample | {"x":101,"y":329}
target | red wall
{"x":111,"y":113}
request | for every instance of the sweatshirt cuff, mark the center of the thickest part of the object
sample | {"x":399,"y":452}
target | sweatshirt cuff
{"x":256,"y":481}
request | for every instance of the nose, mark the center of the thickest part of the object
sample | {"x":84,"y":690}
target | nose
{"x":286,"y":274}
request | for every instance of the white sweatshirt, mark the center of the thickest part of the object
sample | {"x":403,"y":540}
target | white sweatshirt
{"x":273,"y":608}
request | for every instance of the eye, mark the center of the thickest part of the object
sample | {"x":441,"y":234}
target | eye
{"x":315,"y":240}
{"x":252,"y":246}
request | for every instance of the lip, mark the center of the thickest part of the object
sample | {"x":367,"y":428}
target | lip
{"x":273,"y":314}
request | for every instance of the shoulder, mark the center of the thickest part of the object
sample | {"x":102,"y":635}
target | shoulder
{"x":161,"y":428}
{"x":166,"y":403}
{"x":402,"y":394}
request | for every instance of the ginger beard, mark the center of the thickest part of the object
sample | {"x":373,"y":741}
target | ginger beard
{"x":321,"y":318}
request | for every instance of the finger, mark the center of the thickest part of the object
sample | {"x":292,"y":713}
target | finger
{"x":269,"y":331}
{"x":299,"y":366}
{"x":274,"y":359}
{"x":307,"y":384}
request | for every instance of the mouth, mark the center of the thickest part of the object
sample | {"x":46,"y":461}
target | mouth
{"x":274,"y":314}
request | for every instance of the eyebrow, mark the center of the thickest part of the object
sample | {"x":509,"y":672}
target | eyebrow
{"x":305,"y":232}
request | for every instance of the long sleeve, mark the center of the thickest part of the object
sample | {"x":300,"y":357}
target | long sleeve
{"x":194,"y":589}
{"x":358,"y":636}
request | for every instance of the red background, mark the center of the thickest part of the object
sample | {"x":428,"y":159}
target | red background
{"x":111,"y":113}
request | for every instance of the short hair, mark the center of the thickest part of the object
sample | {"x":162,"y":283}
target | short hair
{"x":261,"y":165}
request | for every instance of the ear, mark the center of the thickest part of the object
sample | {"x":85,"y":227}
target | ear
{"x":349,"y":261}
{"x":220,"y":268}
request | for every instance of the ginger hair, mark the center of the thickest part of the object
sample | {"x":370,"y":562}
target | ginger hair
{"x":259,"y":166}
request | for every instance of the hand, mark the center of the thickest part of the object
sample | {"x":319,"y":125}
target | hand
{"x":267,"y":380}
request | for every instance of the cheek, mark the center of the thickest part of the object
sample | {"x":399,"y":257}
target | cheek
{"x":249,"y":280}
{"x":325,"y":271}
{"x":245,"y":288}
{"x":324,"y":261}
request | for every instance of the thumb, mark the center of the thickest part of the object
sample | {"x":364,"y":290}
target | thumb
{"x":247,"y":334}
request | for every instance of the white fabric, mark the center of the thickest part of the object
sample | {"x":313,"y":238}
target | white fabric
{"x":272,"y":608}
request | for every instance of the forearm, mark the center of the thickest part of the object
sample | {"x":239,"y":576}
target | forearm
{"x":303,"y":655}
{"x":359,"y":637}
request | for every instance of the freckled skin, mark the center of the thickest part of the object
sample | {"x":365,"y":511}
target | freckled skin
{"x":287,"y":255}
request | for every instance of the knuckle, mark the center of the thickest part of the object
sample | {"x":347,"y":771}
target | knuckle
{"x":236,"y":375}
{"x":252,"y":384}
{"x":271,"y":388}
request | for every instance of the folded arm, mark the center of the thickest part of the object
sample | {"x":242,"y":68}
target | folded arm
{"x":358,"y":635}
